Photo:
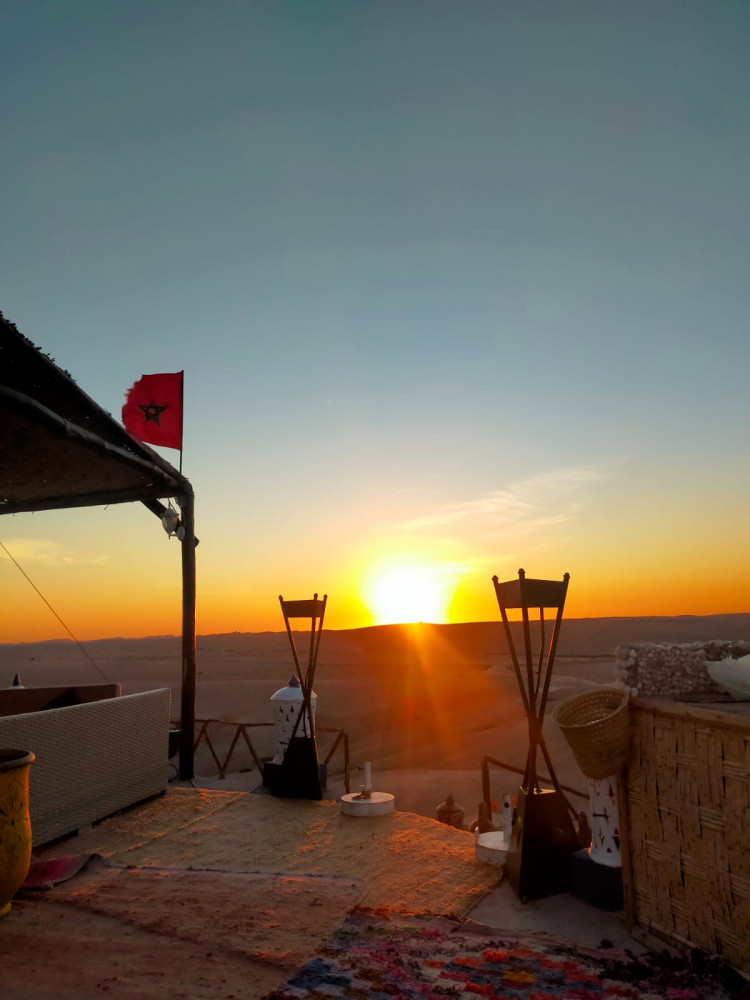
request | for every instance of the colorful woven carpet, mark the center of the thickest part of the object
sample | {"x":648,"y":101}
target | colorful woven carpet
{"x":378,"y":957}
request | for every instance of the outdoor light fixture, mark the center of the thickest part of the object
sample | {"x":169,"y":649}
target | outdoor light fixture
{"x":170,"y":520}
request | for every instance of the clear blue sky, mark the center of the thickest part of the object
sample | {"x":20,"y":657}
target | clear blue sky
{"x":459,"y":284}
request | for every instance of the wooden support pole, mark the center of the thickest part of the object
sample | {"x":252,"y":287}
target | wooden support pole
{"x":187,"y":715}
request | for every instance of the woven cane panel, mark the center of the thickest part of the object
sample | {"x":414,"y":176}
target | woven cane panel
{"x":688,"y":787}
{"x":91,"y":760}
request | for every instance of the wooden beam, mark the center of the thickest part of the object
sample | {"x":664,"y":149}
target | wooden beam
{"x":187,"y":715}
{"x":90,"y":499}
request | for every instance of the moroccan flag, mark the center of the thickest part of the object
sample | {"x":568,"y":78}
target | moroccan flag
{"x":153,"y":409}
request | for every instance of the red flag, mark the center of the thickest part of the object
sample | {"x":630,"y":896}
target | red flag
{"x":153,"y":409}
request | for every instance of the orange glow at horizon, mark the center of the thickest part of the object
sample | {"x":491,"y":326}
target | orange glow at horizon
{"x":136,"y":591}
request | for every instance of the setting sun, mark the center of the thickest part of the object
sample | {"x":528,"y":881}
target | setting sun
{"x":407,"y":593}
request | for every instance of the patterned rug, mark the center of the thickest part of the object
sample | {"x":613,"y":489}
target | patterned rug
{"x":375,"y":956}
{"x":153,"y":934}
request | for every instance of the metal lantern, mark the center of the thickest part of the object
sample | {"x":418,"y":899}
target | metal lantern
{"x":170,"y":520}
{"x":286,"y":704}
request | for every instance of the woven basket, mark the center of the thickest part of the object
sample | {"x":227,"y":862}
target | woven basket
{"x":597,"y":727}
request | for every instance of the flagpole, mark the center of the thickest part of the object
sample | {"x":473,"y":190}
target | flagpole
{"x":182,"y":413}
{"x":187,"y":707}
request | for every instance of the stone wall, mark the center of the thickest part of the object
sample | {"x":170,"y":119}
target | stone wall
{"x":674,"y":669}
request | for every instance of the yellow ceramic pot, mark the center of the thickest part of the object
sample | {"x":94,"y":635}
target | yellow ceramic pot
{"x":15,"y":825}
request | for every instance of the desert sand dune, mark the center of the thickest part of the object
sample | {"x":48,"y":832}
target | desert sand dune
{"x":422,"y":703}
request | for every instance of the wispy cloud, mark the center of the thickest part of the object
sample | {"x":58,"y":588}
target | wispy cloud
{"x":541,"y":501}
{"x":40,"y":551}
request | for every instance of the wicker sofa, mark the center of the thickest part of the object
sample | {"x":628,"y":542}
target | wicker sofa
{"x":92,"y":758}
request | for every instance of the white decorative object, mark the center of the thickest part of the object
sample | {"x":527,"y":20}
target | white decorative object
{"x":286,"y":704}
{"x":491,"y":848}
{"x":605,"y":823}
{"x":732,"y":675}
{"x":377,"y":804}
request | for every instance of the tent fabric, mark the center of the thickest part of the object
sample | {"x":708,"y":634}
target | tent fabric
{"x":58,"y":448}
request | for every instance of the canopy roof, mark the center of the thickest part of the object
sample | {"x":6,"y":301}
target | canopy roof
{"x":58,"y":448}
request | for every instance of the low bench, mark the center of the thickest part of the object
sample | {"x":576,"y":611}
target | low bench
{"x":19,"y":700}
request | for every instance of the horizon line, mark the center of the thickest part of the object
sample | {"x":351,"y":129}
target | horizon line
{"x":362,"y":628}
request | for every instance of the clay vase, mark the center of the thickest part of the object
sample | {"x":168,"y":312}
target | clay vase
{"x":15,"y":825}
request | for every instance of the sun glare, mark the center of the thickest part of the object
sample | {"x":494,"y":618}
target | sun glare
{"x":407,"y":594}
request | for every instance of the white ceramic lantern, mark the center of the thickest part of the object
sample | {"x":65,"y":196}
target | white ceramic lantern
{"x":605,"y":823}
{"x":286,"y":705}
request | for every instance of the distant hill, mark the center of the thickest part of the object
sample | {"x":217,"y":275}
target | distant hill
{"x":578,"y":637}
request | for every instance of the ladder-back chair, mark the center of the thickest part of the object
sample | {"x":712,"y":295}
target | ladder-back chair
{"x":543,"y":835}
{"x":299,"y":775}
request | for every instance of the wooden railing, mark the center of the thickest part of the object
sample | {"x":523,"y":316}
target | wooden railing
{"x":487,"y":796}
{"x":204,"y":736}
{"x":241,"y":732}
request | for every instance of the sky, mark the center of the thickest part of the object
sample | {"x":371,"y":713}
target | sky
{"x":458,"y":287}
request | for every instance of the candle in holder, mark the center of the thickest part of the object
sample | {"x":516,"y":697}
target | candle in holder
{"x":507,"y":815}
{"x":368,"y":776}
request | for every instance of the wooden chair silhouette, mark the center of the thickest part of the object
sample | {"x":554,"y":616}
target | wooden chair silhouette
{"x":299,"y":775}
{"x":543,"y":835}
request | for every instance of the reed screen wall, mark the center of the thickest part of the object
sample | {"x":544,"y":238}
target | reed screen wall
{"x":688,"y":806}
